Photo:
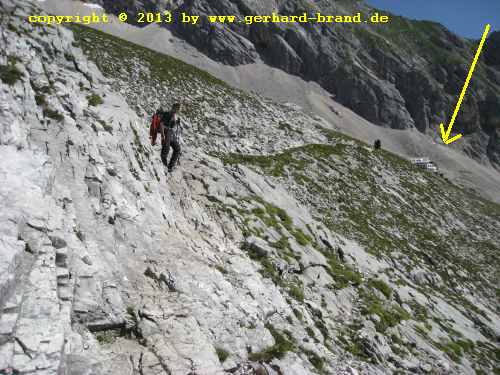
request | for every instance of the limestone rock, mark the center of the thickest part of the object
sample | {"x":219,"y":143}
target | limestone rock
{"x":230,"y":264}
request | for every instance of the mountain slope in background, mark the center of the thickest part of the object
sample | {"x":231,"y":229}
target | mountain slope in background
{"x":286,"y":88}
{"x":401,"y":75}
{"x":279,"y":245}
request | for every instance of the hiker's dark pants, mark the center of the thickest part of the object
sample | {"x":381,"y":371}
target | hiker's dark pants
{"x":170,"y":140}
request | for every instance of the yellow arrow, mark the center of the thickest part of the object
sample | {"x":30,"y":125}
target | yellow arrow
{"x":445,"y":135}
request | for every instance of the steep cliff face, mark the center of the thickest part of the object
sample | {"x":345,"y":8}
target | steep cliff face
{"x":400,"y":75}
{"x":492,"y":50}
{"x":278,"y":245}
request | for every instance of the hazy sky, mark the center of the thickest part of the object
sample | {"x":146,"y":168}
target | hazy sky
{"x":464,"y":17}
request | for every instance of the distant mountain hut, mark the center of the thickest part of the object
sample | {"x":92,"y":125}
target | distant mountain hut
{"x":425,"y":163}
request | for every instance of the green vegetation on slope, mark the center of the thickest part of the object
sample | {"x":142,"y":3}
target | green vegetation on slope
{"x":169,"y":69}
{"x":390,"y":206}
{"x":283,"y":343}
{"x":118,"y":58}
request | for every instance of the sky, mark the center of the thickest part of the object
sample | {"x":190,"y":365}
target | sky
{"x":464,"y":17}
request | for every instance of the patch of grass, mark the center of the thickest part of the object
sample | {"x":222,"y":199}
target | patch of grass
{"x":310,"y":332}
{"x":222,"y":354}
{"x":301,"y":238}
{"x":282,"y":244}
{"x":270,"y":214}
{"x":451,"y":348}
{"x":348,"y":339}
{"x":9,"y":74}
{"x":269,"y":271}
{"x":314,"y":359}
{"x":381,"y":286}
{"x":276,"y":217}
{"x":283,"y":343}
{"x":94,"y":100}
{"x":422,"y":331}
{"x":342,"y":274}
{"x":276,"y":165}
{"x":298,"y":314}
{"x":419,"y":311}
{"x":53,"y":114}
{"x":357,"y":349}
{"x":253,"y":251}
{"x":106,"y":337}
{"x":297,"y":292}
{"x":466,"y":345}
{"x":390,"y":315}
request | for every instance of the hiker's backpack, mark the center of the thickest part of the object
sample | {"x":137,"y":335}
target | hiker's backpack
{"x":155,"y":127}
{"x":166,"y":117}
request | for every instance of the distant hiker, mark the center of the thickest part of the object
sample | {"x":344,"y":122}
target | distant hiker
{"x":377,"y":144}
{"x":168,"y":124}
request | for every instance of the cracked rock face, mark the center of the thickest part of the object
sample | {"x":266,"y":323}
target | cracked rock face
{"x":277,"y":246}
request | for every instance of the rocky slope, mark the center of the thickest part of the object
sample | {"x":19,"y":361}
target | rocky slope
{"x":401,"y":75}
{"x":278,"y":245}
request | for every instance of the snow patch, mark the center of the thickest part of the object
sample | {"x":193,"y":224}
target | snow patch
{"x":92,"y":6}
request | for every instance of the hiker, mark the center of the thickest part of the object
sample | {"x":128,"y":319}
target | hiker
{"x":168,"y":124}
{"x":377,"y":144}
